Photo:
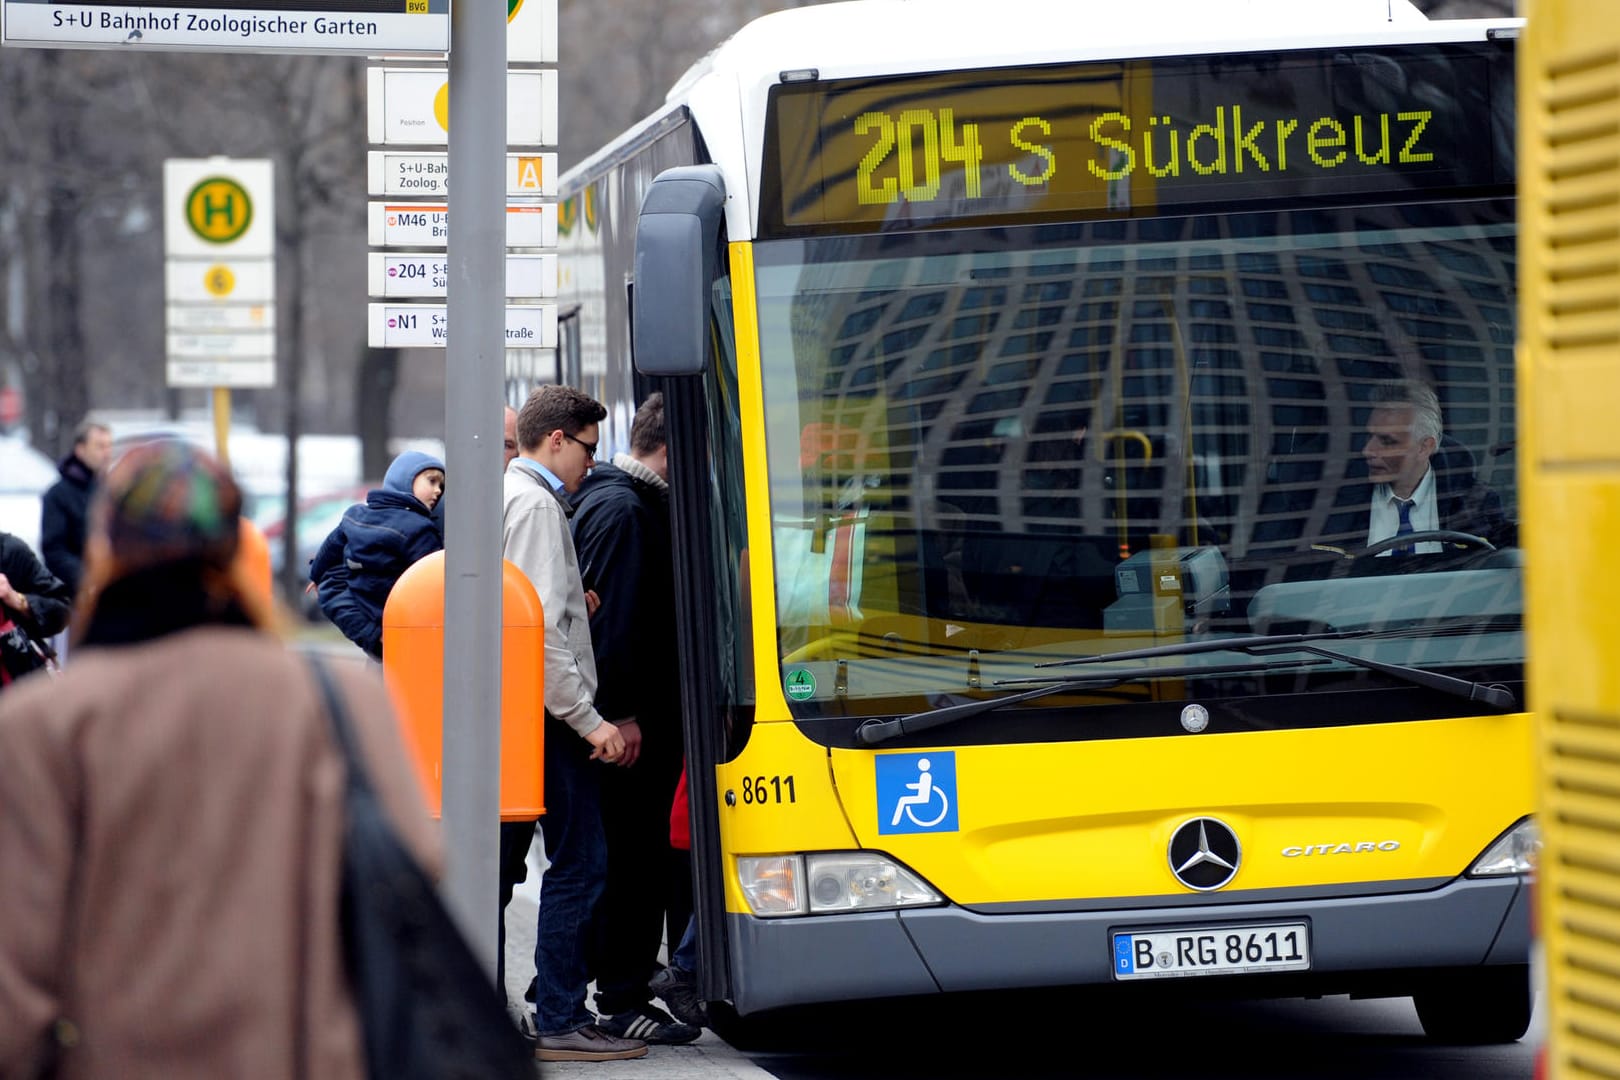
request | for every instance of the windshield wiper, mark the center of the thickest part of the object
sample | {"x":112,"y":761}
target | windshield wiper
{"x":872,"y":732}
{"x":1497,"y":697}
{"x":1203,"y":645}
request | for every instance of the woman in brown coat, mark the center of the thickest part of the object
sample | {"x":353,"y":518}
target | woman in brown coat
{"x":171,"y":813}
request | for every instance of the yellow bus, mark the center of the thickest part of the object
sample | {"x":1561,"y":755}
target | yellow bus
{"x":1569,"y":379}
{"x":1093,"y":444}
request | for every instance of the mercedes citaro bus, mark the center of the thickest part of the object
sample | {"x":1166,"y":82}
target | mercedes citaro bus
{"x":1094,"y":455}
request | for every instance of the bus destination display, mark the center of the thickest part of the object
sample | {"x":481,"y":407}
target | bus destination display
{"x":1106,"y":139}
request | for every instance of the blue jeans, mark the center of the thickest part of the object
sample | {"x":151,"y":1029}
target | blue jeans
{"x":572,"y":884}
{"x":684,"y":958}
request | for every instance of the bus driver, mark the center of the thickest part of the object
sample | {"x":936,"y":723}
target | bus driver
{"x":1422,"y":481}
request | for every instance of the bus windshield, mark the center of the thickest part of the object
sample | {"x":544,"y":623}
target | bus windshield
{"x":994,"y":448}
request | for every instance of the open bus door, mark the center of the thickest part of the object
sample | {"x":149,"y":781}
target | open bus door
{"x":1569,"y":375}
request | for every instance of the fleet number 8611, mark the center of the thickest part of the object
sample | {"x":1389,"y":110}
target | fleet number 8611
{"x":768,"y":789}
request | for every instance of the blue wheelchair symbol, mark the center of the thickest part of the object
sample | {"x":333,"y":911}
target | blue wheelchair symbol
{"x":916,"y":792}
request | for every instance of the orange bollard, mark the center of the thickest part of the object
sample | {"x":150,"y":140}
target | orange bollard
{"x":253,"y":559}
{"x":413,"y":668}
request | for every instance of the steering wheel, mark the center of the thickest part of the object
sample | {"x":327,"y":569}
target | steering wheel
{"x":1444,"y":536}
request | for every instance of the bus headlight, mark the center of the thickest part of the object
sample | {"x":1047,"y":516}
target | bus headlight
{"x":826,"y":883}
{"x":1515,"y":852}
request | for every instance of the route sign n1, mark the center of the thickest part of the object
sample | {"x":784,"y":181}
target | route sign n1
{"x":219,"y":208}
{"x":528,"y":225}
{"x":411,"y":107}
{"x":364,"y":27}
{"x":410,"y":326}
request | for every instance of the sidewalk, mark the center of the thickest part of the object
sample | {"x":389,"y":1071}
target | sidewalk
{"x":707,"y":1059}
{"x":710,"y":1058}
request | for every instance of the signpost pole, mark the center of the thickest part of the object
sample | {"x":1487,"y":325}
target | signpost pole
{"x":475,"y":373}
{"x":222,"y":425}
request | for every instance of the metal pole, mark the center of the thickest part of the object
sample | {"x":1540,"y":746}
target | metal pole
{"x":475,"y":374}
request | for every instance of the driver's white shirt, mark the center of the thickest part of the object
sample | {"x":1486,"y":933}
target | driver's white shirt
{"x":1384,"y":520}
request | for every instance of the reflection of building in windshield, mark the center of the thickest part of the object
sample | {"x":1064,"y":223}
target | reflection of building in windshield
{"x":1186,"y":382}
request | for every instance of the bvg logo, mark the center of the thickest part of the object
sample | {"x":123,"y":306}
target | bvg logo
{"x":219,"y":210}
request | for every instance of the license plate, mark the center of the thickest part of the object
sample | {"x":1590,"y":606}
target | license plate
{"x":1212,"y":950}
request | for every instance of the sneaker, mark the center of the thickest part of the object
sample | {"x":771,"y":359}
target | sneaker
{"x":650,"y":1024}
{"x":589,"y":1043}
{"x":678,"y":990}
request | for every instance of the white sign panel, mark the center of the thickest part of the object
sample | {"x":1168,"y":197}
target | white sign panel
{"x":411,"y":107}
{"x":238,"y":374}
{"x":367,"y":27}
{"x":533,"y":365}
{"x":223,"y":317}
{"x":193,"y":346}
{"x":428,"y":174}
{"x":402,"y":275}
{"x":244,"y":281}
{"x":428,"y":225}
{"x":409,"y":326}
{"x":219,"y":208}
{"x":531,"y":32}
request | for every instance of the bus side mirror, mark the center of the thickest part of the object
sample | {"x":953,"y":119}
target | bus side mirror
{"x":677,"y":258}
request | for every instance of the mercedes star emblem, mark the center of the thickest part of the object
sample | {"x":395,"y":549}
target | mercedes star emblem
{"x":1205,"y":854}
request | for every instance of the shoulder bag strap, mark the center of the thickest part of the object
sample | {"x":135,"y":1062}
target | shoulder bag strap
{"x":342,"y":729}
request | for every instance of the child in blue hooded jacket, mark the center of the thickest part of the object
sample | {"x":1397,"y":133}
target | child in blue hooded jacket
{"x":376,"y":542}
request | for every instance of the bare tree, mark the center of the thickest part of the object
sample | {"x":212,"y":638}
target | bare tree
{"x":620,"y":57}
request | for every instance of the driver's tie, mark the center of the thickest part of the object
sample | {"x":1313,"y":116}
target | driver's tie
{"x":1405,"y":507}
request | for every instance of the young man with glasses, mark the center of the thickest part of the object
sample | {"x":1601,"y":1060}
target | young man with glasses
{"x":557,"y":430}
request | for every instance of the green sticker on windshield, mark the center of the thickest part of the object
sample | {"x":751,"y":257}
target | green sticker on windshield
{"x":801,"y":685}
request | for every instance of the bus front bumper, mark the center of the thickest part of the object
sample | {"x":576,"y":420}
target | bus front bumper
{"x":1359,"y":944}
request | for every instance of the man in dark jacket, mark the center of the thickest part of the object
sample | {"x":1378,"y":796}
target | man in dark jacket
{"x":62,"y":512}
{"x":34,"y":605}
{"x":377,"y":541}
{"x":622,"y":534}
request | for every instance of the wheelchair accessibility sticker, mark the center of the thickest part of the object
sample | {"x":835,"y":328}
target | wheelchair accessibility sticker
{"x":916,"y":792}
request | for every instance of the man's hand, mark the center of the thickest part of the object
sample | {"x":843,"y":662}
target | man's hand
{"x":13,"y":599}
{"x":631,"y":731}
{"x":606,"y":742}
{"x":592,"y":602}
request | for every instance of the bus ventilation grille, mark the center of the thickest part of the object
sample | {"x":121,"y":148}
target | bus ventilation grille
{"x":1582,"y":806}
{"x":1580,"y":122}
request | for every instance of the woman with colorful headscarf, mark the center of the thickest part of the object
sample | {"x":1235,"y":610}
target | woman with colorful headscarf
{"x":171,"y":811}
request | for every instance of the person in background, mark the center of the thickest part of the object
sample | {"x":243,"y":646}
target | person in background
{"x":376,"y":542}
{"x":622,"y":533}
{"x":172,"y":812}
{"x":676,"y":982}
{"x":509,"y":446}
{"x":62,"y":512}
{"x":516,"y":836}
{"x":557,"y":429}
{"x":34,"y":605}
